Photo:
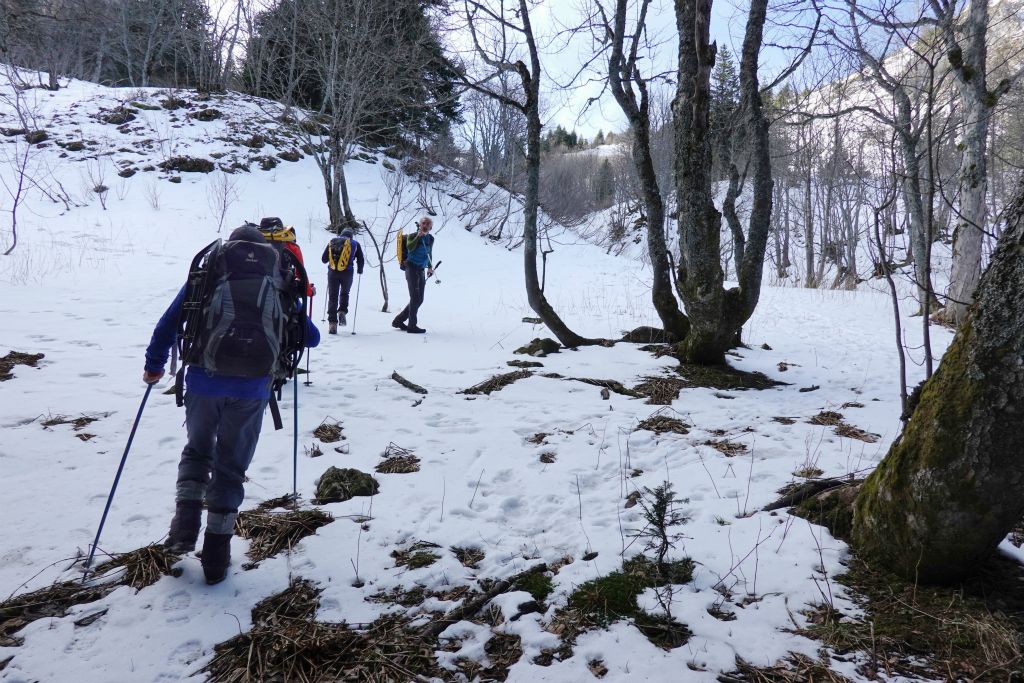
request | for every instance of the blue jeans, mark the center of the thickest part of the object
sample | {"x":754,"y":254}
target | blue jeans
{"x":222,"y":437}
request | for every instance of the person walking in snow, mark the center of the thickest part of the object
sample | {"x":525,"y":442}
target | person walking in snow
{"x":418,"y":250}
{"x":223,"y":411}
{"x":339,"y":255}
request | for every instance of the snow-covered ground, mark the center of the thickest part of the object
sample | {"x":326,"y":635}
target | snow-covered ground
{"x":85,"y":287}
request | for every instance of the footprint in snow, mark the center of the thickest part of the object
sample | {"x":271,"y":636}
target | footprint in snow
{"x":185,"y":654}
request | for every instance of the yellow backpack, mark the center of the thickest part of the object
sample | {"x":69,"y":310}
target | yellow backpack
{"x":339,"y":255}
{"x":400,"y":245}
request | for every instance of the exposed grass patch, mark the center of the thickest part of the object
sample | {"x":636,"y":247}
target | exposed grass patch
{"x":13,"y":358}
{"x":792,"y":669}
{"x":537,"y":584}
{"x":187,"y":164}
{"x":497,"y":383}
{"x":548,"y":457}
{"x":851,"y":432}
{"x":660,"y":424}
{"x":286,"y":644}
{"x":605,"y":600}
{"x":418,"y":555}
{"x":973,"y":631}
{"x":723,"y":377}
{"x":827,"y":418}
{"x":329,"y":431}
{"x":77,"y":423}
{"x":727,"y":448}
{"x":660,"y":391}
{"x":138,"y":569}
{"x":538,"y":438}
{"x":399,"y":464}
{"x":468,"y":556}
{"x":271,"y":531}
{"x":784,"y":420}
{"x":524,"y":364}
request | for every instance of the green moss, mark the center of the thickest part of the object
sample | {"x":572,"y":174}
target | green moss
{"x":424,"y":558}
{"x":832,"y":510}
{"x":893,"y":508}
{"x":536,"y":584}
{"x":606,"y":600}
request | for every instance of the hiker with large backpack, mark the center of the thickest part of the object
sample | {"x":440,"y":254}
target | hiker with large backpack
{"x":414,"y":257}
{"x":278,"y":234}
{"x":240,"y":326}
{"x":339,"y":255}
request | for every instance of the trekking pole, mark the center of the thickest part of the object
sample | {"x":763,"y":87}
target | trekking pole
{"x":295,"y":440}
{"x":355,"y":309}
{"x":117,"y":477}
{"x":437,"y":280}
{"x":308,"y":380}
{"x":323,"y":318}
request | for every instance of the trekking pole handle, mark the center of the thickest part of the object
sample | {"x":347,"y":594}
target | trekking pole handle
{"x":117,"y":478}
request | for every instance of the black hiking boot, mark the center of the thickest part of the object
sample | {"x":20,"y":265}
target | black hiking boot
{"x":342,"y":319}
{"x":333,"y":327}
{"x":185,"y":524}
{"x":399,"y":326}
{"x":216,"y":557}
{"x":415,"y":330}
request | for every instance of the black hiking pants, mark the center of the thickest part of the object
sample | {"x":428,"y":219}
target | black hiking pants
{"x":339,"y":284}
{"x":416,"y":278}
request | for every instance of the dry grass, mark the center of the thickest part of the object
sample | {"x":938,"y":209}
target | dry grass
{"x":660,"y":391}
{"x":548,"y":457}
{"x":13,"y":358}
{"x":139,"y":568}
{"x":538,"y":438}
{"x":974,"y":631}
{"x":418,"y":555}
{"x":469,"y":556}
{"x":827,"y":418}
{"x":287,"y":644}
{"x":497,"y":383}
{"x":727,"y":448}
{"x":271,"y":531}
{"x":851,"y":432}
{"x":329,"y":432}
{"x":784,"y":420}
{"x":796,"y":668}
{"x":399,"y":464}
{"x":398,"y":460}
{"x":660,"y":423}
{"x":78,"y":423}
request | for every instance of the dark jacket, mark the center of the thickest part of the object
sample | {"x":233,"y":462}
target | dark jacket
{"x":198,"y":379}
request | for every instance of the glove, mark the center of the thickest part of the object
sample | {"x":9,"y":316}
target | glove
{"x":359,"y":272}
{"x":312,"y":289}
{"x":151,"y":377}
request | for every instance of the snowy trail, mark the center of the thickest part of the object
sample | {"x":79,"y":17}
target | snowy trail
{"x":90,"y":302}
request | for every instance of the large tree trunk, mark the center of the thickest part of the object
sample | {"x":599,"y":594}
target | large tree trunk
{"x":716,"y":315}
{"x":949,"y":489}
{"x":622,"y":75}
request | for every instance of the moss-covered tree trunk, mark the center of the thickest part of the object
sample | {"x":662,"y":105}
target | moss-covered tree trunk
{"x":950,"y":487}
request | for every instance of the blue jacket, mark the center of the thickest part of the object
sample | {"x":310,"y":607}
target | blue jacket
{"x":198,"y":379}
{"x":421,"y":250}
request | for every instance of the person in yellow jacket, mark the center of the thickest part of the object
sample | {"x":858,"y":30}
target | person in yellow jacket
{"x":340,"y":254}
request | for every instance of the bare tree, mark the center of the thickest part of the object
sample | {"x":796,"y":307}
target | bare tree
{"x":716,"y":314}
{"x":629,"y":87}
{"x":516,"y":25}
{"x":16,"y":159}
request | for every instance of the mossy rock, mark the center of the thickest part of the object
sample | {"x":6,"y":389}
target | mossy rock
{"x":341,"y":484}
{"x":118,"y":117}
{"x":176,"y":179}
{"x":208,"y":114}
{"x":267,"y":163}
{"x":649,"y":335}
{"x":127,"y":173}
{"x":36,"y":136}
{"x":539,"y":347}
{"x":832,"y":509}
{"x":73,"y":146}
{"x":290,"y":155}
{"x":11,"y":132}
{"x":186,"y":164}
{"x":143,"y":106}
{"x":255,"y":142}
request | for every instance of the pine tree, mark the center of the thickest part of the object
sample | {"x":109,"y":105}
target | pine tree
{"x":725,"y":99}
